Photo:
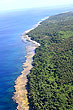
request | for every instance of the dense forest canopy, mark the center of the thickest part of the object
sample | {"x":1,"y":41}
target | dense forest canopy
{"x":51,"y":78}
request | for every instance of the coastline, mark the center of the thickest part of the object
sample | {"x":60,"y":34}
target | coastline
{"x":20,"y":84}
{"x":20,"y":94}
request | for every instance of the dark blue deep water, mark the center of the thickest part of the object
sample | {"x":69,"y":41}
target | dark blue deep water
{"x":12,"y":49}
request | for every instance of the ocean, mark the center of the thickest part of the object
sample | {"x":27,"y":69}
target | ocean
{"x":13,"y":50}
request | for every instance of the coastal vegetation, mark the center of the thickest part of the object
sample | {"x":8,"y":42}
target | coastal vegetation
{"x":51,"y":78}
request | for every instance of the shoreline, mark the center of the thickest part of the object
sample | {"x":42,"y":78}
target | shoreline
{"x":20,"y":94}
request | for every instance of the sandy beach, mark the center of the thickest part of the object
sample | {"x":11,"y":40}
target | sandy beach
{"x":20,"y":94}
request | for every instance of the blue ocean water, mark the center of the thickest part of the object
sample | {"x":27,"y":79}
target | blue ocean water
{"x":12,"y":49}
